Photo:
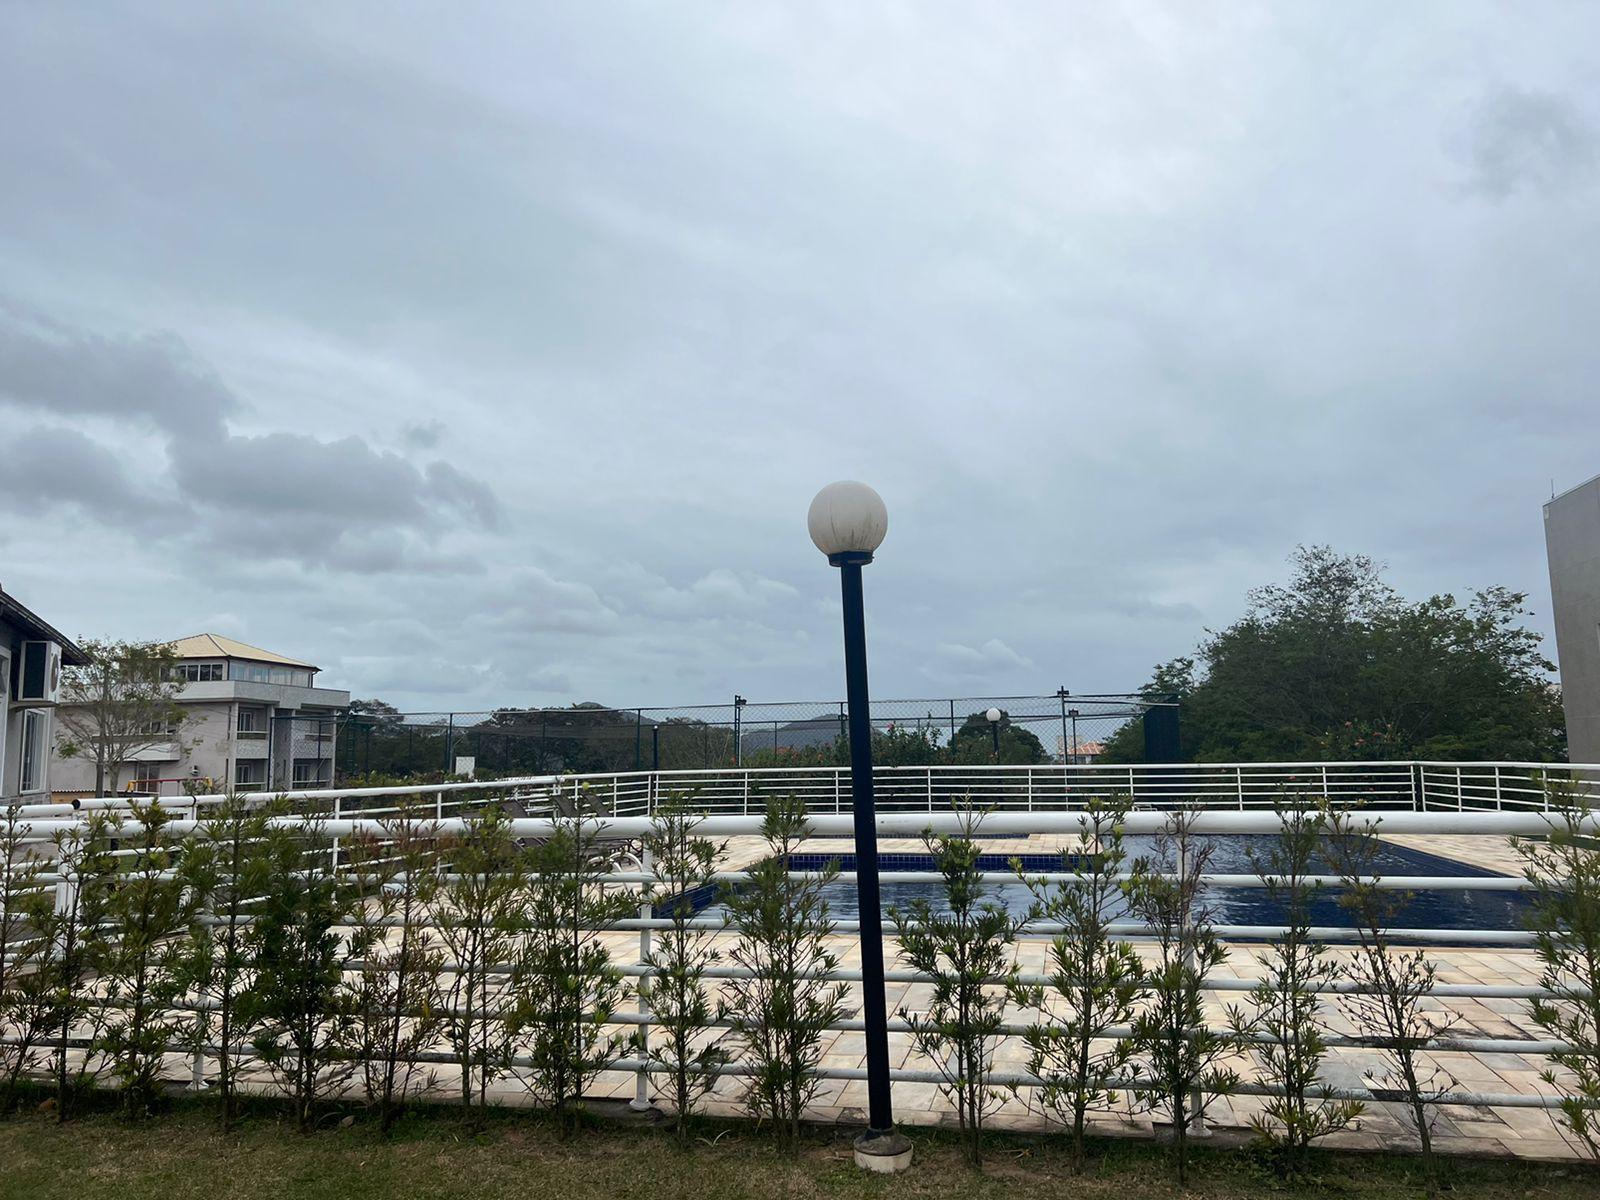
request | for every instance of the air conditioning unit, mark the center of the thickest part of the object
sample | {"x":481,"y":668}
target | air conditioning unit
{"x":39,"y":674}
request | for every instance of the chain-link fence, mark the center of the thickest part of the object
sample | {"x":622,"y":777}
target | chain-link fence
{"x":590,"y":738}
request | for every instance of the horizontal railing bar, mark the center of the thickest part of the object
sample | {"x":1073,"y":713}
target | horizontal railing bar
{"x":1202,"y":822}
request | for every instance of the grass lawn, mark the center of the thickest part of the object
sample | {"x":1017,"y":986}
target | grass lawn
{"x":181,"y":1155}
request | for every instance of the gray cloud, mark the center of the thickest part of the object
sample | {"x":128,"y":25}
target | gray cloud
{"x":1529,"y":140}
{"x":51,"y":469}
{"x":150,"y":379}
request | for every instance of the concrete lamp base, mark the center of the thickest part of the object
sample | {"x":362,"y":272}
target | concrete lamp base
{"x":883,"y":1153}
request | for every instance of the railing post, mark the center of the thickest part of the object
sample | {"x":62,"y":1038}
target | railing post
{"x":1460,"y":806}
{"x":1130,"y":784}
{"x":930,"y":788}
{"x":1498,"y":803}
{"x":1197,"y":1121}
{"x":641,"y":1080}
{"x":338,"y":811}
{"x":1238,"y":783}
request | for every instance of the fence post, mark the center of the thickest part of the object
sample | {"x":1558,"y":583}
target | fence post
{"x":1197,"y":1121}
{"x":641,"y":1080}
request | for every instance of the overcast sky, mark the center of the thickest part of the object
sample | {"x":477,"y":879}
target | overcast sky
{"x":492,"y":354}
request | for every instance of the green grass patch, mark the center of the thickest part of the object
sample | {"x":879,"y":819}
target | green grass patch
{"x":434,"y":1154}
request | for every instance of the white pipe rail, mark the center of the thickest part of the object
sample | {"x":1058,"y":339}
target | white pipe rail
{"x":1145,"y":821}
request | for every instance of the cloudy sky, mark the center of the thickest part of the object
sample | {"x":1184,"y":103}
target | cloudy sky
{"x":492,"y":354}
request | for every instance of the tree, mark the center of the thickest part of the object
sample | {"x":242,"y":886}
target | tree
{"x":228,"y":861}
{"x":1336,"y":664}
{"x":478,"y":915}
{"x":396,"y":990}
{"x":305,"y":1021}
{"x":70,"y":919}
{"x":1565,"y":872}
{"x":1183,"y":1058}
{"x":566,"y":986}
{"x":27,"y":995}
{"x":974,"y":742}
{"x":1283,"y":1032}
{"x":1095,"y":980}
{"x":964,"y":947}
{"x":139,"y":968}
{"x":778,"y":1015}
{"x":1394,"y":1001}
{"x":124,"y":700}
{"x":680,"y":863}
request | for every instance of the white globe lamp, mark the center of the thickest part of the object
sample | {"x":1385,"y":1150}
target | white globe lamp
{"x":848,"y":522}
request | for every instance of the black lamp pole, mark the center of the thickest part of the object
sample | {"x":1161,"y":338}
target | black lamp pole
{"x":880,"y":1113}
{"x":994,"y":728}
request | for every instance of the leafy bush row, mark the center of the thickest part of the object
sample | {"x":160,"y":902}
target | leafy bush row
{"x":270,"y":948}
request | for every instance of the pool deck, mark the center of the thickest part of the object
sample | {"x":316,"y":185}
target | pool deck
{"x":1519,"y":1132}
{"x":1492,"y":855}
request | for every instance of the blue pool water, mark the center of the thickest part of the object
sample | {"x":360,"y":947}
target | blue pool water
{"x":1445,"y":909}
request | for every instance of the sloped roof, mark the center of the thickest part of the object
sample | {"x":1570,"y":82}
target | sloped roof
{"x":214,"y":645}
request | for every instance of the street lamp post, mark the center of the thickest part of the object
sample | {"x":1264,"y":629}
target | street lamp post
{"x":848,"y":522}
{"x":994,"y":715}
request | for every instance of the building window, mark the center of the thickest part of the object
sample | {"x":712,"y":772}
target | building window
{"x":312,"y":772}
{"x":33,"y":756}
{"x":196,"y":672}
{"x":250,"y":672}
{"x":252,"y":723}
{"x":249,"y":774}
{"x":147,"y":778}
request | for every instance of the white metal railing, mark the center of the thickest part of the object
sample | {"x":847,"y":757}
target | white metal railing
{"x":1414,"y":786}
{"x":1406,"y":785}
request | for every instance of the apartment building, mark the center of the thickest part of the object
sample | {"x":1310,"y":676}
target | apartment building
{"x":257,"y":721}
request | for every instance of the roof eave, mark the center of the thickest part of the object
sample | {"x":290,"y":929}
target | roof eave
{"x":19,"y":614}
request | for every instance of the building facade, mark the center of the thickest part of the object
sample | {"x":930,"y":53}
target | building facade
{"x":256,"y":721}
{"x":1572,"y":545}
{"x":32,"y":653}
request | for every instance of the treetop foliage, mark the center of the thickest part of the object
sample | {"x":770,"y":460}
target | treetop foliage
{"x":1336,"y":664}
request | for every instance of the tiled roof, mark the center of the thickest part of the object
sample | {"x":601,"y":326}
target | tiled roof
{"x":214,"y":645}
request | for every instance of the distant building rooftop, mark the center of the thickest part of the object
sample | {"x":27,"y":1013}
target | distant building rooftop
{"x":214,"y":645}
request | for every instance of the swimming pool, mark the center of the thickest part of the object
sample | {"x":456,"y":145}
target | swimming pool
{"x":1445,"y":909}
